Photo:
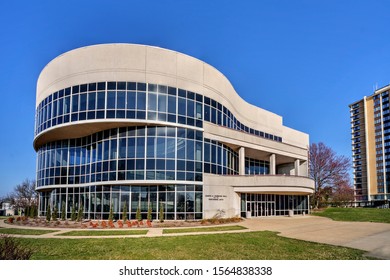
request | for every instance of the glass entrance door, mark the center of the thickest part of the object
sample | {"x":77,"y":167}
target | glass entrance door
{"x":270,"y":208}
{"x":261,"y":209}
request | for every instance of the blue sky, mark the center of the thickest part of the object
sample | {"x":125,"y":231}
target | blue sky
{"x":304,"y":60}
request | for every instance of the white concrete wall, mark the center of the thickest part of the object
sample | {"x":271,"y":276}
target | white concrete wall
{"x":220,"y":197}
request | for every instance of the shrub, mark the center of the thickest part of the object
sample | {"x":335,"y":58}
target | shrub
{"x":48,"y":213}
{"x":80,"y":214}
{"x":138,"y":215}
{"x":111,"y":215}
{"x":73,"y":216}
{"x":124,"y":214}
{"x":161,"y":214}
{"x":149,"y":216}
{"x":63,"y":211}
{"x":10,"y":249}
{"x":54,"y":214}
{"x":27,"y":211}
{"x":32,"y":211}
{"x":11,"y":220}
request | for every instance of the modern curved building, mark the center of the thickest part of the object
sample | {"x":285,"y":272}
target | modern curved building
{"x":123,"y":125}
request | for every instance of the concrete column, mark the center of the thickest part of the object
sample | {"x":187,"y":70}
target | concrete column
{"x":296,"y":167}
{"x":241,"y":157}
{"x":272,"y":164}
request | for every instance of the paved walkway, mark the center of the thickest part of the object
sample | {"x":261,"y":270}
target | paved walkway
{"x":371,"y":237}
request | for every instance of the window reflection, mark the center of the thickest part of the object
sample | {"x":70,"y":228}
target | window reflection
{"x":133,"y":101}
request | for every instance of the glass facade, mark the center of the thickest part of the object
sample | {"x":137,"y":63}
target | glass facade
{"x":157,"y":160}
{"x":130,"y":100}
{"x":179,"y":202}
{"x":119,"y":154}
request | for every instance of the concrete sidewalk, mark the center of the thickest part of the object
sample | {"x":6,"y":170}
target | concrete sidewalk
{"x":371,"y":237}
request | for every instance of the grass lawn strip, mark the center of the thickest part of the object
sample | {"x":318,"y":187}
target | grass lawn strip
{"x":356,"y":214}
{"x":205,"y":229}
{"x":102,"y":232}
{"x":261,"y":245}
{"x":22,"y":231}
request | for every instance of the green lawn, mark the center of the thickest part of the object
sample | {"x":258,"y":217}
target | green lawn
{"x":203,"y":229}
{"x":356,"y":214}
{"x":93,"y":232}
{"x":229,"y":246}
{"x":23,"y":231}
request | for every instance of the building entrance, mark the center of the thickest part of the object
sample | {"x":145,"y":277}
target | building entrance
{"x":263,"y":205}
{"x":261,"y":209}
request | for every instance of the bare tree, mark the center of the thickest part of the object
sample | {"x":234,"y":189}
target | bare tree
{"x":24,"y":195}
{"x":327,"y":169}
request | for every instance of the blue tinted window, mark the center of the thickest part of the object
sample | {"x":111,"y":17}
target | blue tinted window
{"x":182,"y":106}
{"x":190,"y":150}
{"x":83,"y":102}
{"x":91,"y":100}
{"x":131,"y":86}
{"x":199,"y":111}
{"x":54,"y":109}
{"x":121,"y":85}
{"x":101,"y":100}
{"x":190,"y":108}
{"x":67,"y":105}
{"x":140,"y":147}
{"x":131,"y":148}
{"x":162,"y":103}
{"x":60,"y":106}
{"x":151,"y":147}
{"x":152,"y":101}
{"x":141,"y":100}
{"x":83,"y":88}
{"x":160,"y":148}
{"x":131,"y":99}
{"x":121,"y":100}
{"x":172,"y":104}
{"x":171,"y":148}
{"x":111,"y":100}
{"x":113,"y":149}
{"x":181,"y":145}
{"x":75,"y":103}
